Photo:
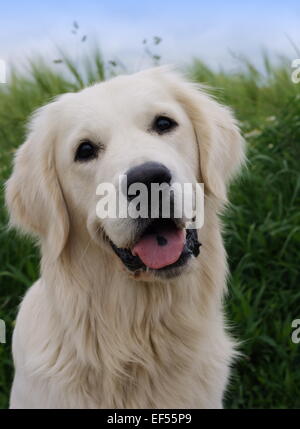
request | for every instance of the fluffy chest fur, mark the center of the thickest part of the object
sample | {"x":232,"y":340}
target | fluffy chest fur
{"x":84,"y":341}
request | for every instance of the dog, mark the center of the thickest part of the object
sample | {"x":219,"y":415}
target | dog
{"x":127,"y":312}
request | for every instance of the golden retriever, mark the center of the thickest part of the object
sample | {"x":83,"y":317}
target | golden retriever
{"x":106,"y":326}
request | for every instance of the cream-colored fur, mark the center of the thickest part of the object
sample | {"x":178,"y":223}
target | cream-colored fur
{"x":89,"y":334}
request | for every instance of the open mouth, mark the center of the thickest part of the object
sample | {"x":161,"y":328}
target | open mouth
{"x":162,"y":248}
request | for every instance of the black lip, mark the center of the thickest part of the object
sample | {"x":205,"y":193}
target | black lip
{"x":133,"y":263}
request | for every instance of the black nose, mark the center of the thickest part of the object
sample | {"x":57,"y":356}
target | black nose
{"x":147,"y":173}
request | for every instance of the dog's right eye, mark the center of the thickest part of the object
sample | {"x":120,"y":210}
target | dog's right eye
{"x":86,"y":151}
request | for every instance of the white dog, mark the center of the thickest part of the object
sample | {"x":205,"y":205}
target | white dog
{"x":127,"y":313}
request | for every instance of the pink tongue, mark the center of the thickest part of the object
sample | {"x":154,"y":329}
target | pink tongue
{"x":160,"y":248}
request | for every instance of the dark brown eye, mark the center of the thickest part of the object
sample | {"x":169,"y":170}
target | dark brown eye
{"x":163,"y":124}
{"x":86,"y":151}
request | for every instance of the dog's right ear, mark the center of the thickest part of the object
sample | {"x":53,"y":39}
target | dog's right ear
{"x":33,"y":194}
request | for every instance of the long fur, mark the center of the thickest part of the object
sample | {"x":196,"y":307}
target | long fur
{"x":88,"y":335}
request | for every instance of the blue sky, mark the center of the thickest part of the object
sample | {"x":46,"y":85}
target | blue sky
{"x":210,"y":30}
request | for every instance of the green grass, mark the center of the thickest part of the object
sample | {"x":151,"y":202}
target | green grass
{"x":262,"y":232}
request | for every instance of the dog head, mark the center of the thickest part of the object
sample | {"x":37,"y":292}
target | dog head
{"x":131,"y":132}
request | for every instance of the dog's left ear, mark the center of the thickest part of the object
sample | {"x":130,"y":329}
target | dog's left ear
{"x":221,"y":146}
{"x":33,"y":194}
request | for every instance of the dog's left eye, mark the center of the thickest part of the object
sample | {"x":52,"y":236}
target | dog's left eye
{"x":86,"y":151}
{"x":163,"y":124}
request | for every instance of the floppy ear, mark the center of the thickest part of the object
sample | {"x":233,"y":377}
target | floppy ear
{"x":33,"y":193}
{"x":221,"y":147}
